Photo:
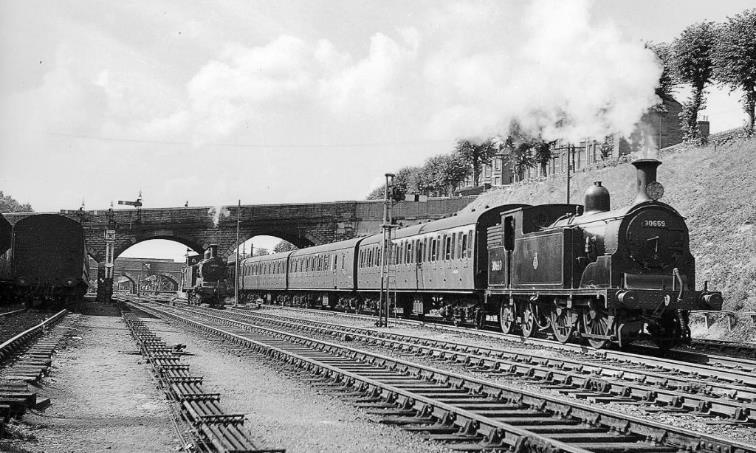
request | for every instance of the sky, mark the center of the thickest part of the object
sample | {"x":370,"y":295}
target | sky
{"x":306,"y":101}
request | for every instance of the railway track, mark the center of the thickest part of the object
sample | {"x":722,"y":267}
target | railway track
{"x":467,"y":412}
{"x":639,"y":354}
{"x":595,"y":380}
{"x":24,"y":359}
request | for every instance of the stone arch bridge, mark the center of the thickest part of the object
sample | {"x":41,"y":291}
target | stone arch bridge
{"x":302,"y":224}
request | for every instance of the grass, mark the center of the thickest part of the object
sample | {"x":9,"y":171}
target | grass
{"x":713,"y":187}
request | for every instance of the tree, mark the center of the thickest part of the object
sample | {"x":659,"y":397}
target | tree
{"x":518,"y":146}
{"x":735,"y":59}
{"x":443,"y":174}
{"x":691,"y":58}
{"x":9,"y":204}
{"x":260,"y":251}
{"x":667,"y":78}
{"x":404,"y":182}
{"x":284,"y":246}
{"x":542,"y":154}
{"x":475,"y":155}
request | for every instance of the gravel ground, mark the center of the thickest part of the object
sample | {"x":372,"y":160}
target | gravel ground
{"x":282,"y":410}
{"x":103,"y":398}
{"x":711,"y":426}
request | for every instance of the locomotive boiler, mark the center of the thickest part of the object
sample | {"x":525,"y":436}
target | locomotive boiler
{"x":608,"y":276}
{"x":204,"y":278}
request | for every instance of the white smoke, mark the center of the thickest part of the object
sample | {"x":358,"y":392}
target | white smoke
{"x":216,"y":212}
{"x":464,"y":69}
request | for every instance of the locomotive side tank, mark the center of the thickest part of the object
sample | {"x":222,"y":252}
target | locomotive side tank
{"x":604,"y":275}
{"x":49,"y":259}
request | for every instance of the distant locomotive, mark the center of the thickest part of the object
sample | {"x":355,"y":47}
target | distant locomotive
{"x":578,"y":271}
{"x":204,"y":278}
{"x":49,"y":259}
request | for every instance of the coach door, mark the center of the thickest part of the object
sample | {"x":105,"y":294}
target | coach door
{"x":334,"y":278}
{"x":421,"y":245}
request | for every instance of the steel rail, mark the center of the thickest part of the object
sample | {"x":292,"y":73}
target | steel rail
{"x":730,"y":368}
{"x":13,"y":345}
{"x":600,"y":382}
{"x":661,"y":437}
{"x":11,"y":313}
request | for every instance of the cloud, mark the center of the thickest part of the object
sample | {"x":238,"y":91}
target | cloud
{"x":468,"y":71}
{"x":462,"y":69}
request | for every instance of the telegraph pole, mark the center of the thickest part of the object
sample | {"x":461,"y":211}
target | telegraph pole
{"x":107,"y":283}
{"x":569,"y":166}
{"x":236,"y":263}
{"x":385,"y":246}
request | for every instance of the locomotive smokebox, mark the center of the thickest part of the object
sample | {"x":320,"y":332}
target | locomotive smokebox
{"x":596,"y":198}
{"x":646,"y":175}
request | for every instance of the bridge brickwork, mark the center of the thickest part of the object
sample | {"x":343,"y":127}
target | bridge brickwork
{"x":198,"y":227}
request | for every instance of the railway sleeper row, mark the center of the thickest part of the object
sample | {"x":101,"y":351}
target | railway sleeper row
{"x":27,"y":363}
{"x":470,"y":413}
{"x":215,"y":430}
{"x":656,"y":393}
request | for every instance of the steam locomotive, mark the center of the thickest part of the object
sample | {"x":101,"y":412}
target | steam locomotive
{"x":46,"y":260}
{"x":204,"y":278}
{"x":575,"y":271}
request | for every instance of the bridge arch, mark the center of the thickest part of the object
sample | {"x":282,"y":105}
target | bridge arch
{"x":130,"y":279}
{"x":126,"y":243}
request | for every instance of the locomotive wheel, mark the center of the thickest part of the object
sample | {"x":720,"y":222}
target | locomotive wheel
{"x":563,"y":323}
{"x":597,"y":321}
{"x":527,"y":320}
{"x":507,"y":317}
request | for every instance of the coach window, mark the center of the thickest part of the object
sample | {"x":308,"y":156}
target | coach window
{"x":464,"y":246}
{"x":447,"y":247}
{"x":471,"y":234}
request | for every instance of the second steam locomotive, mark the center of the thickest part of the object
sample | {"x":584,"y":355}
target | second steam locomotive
{"x":576,"y":271}
{"x":204,"y":278}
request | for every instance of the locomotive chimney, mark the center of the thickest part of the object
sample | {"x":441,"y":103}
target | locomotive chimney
{"x":596,"y":198}
{"x":646,"y":174}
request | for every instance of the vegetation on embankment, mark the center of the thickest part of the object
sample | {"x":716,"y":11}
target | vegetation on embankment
{"x":713,"y":187}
